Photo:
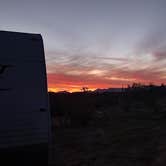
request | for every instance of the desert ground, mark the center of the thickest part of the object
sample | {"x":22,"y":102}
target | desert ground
{"x":109,"y":129}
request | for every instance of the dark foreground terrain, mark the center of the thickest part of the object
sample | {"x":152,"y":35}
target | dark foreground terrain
{"x":109,"y":129}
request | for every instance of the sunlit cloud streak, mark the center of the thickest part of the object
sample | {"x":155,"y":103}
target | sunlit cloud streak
{"x":74,"y":71}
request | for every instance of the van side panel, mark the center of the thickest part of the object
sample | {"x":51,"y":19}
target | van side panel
{"x":24,"y":114}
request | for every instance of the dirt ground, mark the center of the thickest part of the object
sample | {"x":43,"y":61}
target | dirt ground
{"x":135,"y":138}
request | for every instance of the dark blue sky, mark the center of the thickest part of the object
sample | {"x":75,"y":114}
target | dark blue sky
{"x":112,"y":42}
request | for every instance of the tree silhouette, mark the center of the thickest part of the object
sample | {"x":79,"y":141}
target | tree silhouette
{"x":84,"y":89}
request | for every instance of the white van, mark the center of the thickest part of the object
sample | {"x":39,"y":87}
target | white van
{"x":24,"y":108}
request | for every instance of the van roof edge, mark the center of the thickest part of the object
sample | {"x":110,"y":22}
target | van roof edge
{"x":15,"y":32}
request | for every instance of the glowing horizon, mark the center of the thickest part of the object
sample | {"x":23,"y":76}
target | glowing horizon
{"x":70,"y":71}
{"x":79,"y":89}
{"x":75,"y":81}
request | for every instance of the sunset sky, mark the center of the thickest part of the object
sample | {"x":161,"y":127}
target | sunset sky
{"x":94,"y":43}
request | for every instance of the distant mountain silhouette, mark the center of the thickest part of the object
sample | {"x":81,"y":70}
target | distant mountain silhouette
{"x":135,"y":87}
{"x":108,"y":90}
{"x":63,"y":92}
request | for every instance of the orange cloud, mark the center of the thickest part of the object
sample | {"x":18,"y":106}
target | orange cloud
{"x":59,"y":82}
{"x":72,"y":72}
{"x":62,"y":81}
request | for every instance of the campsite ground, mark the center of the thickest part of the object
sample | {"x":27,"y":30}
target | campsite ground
{"x":113,"y":135}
